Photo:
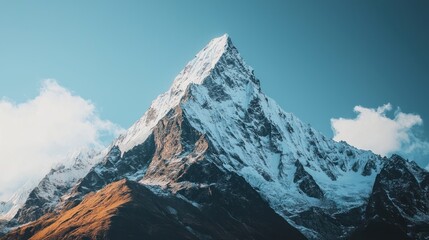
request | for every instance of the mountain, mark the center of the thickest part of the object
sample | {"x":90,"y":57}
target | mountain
{"x":399,"y":203}
{"x":9,"y":208}
{"x":129,"y":210}
{"x":216,"y":141}
{"x":36,"y":198}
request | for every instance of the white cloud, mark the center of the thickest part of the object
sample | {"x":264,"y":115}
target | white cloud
{"x":373,"y":130}
{"x":37,"y":133}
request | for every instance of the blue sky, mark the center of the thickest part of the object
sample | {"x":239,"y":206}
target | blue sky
{"x":316,"y":59}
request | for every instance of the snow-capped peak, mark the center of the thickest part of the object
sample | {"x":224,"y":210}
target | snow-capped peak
{"x":195,"y":72}
{"x":198,"y":69}
{"x":222,"y":98}
{"x":43,"y":193}
{"x":8,"y":209}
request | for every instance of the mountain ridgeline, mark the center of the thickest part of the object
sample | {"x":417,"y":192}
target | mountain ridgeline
{"x":215,"y":158}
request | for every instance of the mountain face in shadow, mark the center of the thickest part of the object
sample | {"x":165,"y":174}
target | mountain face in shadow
{"x":129,"y":210}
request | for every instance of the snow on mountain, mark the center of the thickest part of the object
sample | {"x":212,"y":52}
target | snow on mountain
{"x":194,"y":73}
{"x":229,"y":105}
{"x":293,"y":166}
{"x":46,"y":194}
{"x":215,"y":124}
{"x":9,"y":208}
{"x":264,"y":144}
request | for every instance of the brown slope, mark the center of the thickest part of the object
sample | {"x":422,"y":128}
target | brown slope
{"x":93,"y":218}
{"x":89,"y":219}
{"x":128,"y":210}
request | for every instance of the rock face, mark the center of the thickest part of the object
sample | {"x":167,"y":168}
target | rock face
{"x":399,"y":203}
{"x":129,"y":210}
{"x":214,"y":140}
{"x":306,"y":182}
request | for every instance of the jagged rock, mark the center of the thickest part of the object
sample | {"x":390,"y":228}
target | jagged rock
{"x":369,"y":167}
{"x":306,"y":182}
{"x":398,"y":203}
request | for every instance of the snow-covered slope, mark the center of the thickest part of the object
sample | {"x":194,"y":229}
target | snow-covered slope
{"x":263,"y":143}
{"x":9,"y":208}
{"x":46,"y":194}
{"x":194,"y":73}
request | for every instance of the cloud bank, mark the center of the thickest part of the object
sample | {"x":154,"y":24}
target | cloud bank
{"x":373,"y":130}
{"x":38,"y":133}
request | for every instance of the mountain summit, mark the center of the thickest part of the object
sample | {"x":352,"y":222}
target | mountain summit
{"x":217,"y":146}
{"x":195,"y":72}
